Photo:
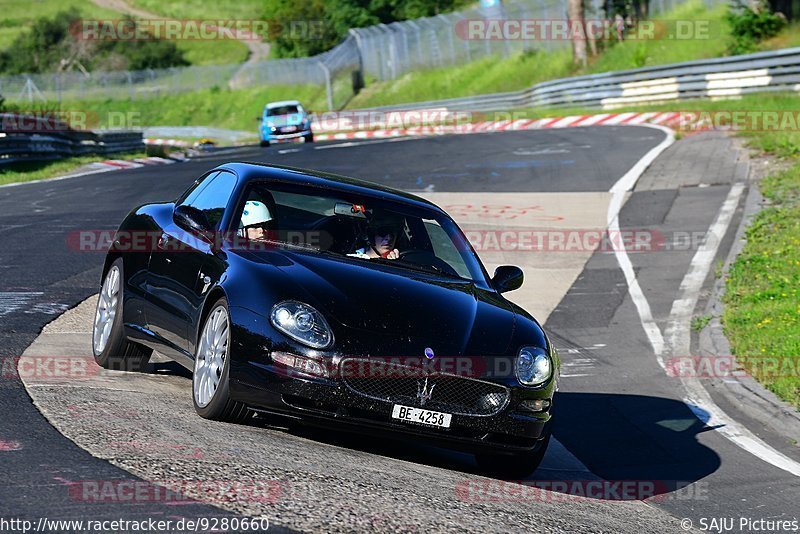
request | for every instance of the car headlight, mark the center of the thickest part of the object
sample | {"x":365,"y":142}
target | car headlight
{"x":534,"y":366}
{"x":302,"y":323}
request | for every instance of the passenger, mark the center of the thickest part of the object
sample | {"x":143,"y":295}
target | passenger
{"x":255,"y":221}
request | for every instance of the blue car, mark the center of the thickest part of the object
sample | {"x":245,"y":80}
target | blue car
{"x":285,"y":121}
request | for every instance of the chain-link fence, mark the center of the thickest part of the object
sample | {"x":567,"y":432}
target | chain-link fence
{"x":383,"y":52}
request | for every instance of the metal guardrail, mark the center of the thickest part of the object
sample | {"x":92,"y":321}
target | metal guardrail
{"x":28,"y":138}
{"x":709,"y":78}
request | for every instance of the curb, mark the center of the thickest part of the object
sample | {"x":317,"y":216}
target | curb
{"x":744,"y":392}
{"x":107,"y":166}
{"x":669,"y":119}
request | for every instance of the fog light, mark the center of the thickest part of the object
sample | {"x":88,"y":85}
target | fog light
{"x":537,"y":405}
{"x":301,"y":363}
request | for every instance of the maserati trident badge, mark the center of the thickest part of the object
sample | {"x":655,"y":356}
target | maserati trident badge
{"x":423,"y":391}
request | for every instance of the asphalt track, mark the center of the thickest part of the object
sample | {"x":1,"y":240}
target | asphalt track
{"x":620,"y":416}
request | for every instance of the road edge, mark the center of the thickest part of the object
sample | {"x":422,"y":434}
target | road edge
{"x":744,"y":392}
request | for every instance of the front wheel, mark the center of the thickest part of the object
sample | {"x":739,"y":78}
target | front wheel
{"x":210,"y":389}
{"x":112,"y":350}
{"x":513,"y":466}
{"x":308,"y":138}
{"x":264,"y":144}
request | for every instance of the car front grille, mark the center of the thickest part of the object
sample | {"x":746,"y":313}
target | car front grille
{"x":402,"y":384}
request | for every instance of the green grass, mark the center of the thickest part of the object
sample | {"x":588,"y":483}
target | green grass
{"x":222,"y":52}
{"x":203,"y":52}
{"x":698,"y":323}
{"x":222,"y":108}
{"x":203,"y":9}
{"x":762,"y":316}
{"x":31,"y":171}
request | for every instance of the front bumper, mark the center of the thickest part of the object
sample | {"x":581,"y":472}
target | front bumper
{"x":328,"y":402}
{"x":283,"y":137}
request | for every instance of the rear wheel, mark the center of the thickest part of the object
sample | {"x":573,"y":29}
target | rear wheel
{"x":112,"y":350}
{"x":309,"y":138}
{"x":513,"y":466}
{"x":264,"y":144}
{"x":210,"y":390}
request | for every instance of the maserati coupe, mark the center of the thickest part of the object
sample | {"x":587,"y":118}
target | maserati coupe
{"x":334,"y":301}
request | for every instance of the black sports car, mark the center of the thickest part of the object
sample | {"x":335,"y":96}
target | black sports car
{"x":335,"y":300}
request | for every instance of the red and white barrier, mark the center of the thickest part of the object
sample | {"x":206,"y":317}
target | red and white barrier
{"x":670,"y":119}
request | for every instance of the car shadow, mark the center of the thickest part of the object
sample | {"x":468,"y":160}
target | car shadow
{"x":634,"y":438}
{"x":649,"y":443}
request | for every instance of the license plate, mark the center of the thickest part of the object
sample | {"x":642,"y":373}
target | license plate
{"x":410,"y":414}
{"x":290,"y":129}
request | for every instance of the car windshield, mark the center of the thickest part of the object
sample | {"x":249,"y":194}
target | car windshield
{"x":282,"y":110}
{"x":362,"y":229}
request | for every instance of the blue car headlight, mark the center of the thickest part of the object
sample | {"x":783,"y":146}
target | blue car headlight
{"x":533,"y":366}
{"x":302,"y":323}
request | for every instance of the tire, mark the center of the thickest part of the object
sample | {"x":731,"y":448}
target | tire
{"x":264,"y":144}
{"x":513,"y":466}
{"x":308,"y":138}
{"x":210,"y":384}
{"x":112,"y":350}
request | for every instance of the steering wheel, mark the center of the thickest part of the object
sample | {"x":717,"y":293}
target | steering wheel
{"x":427,"y":258}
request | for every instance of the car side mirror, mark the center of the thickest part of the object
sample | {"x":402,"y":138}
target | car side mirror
{"x":507,"y":278}
{"x":193,"y":220}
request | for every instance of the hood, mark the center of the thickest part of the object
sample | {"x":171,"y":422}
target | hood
{"x":392,"y":311}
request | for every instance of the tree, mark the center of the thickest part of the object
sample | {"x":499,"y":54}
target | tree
{"x":578,"y":31}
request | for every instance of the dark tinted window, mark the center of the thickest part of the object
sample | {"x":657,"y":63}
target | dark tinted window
{"x":282,"y":110}
{"x":212,"y":196}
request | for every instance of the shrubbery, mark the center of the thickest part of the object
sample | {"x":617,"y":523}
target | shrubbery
{"x":749,"y":26}
{"x":50,"y":45}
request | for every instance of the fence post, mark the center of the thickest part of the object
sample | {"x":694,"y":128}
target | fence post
{"x":328,"y":85}
{"x":359,"y":53}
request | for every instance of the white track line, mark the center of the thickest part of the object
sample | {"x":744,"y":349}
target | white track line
{"x":679,"y":339}
{"x":618,"y":193}
{"x":698,"y":399}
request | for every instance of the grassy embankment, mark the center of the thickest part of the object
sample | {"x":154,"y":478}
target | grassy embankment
{"x":235,"y":109}
{"x":28,"y":172}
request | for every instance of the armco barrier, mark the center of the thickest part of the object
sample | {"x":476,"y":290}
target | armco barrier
{"x":709,"y":78}
{"x":43,"y":139}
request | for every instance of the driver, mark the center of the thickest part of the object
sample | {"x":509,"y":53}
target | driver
{"x":381,"y":237}
{"x":255,"y":220}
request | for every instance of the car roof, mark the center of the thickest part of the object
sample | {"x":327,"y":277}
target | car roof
{"x":283,"y":103}
{"x":249,"y":171}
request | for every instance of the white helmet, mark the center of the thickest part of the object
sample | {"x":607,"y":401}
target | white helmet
{"x":255,"y":213}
